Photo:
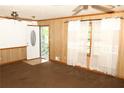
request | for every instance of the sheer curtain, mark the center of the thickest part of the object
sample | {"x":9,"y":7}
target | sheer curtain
{"x":105,"y":43}
{"x":77,"y":43}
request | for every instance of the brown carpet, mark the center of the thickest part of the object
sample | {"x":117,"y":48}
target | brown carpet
{"x":53,"y":75}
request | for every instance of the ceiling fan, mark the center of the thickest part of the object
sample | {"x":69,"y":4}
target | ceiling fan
{"x":106,"y":9}
{"x":15,"y":16}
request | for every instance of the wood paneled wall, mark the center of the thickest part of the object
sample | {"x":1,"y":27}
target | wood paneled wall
{"x":58,"y":37}
{"x":121,"y":52}
{"x":8,"y":55}
{"x":57,"y":34}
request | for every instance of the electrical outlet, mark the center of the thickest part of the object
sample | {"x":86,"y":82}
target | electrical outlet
{"x":57,"y":58}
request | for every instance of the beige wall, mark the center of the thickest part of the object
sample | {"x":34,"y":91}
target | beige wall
{"x":58,"y":37}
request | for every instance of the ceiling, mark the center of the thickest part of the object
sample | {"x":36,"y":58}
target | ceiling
{"x":47,"y":11}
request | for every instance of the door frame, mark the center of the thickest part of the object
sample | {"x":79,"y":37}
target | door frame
{"x":48,"y":38}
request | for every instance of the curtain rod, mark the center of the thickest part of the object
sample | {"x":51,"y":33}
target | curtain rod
{"x":93,"y":19}
{"x":33,"y":25}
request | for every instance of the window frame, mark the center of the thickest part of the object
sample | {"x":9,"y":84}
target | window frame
{"x":90,"y":39}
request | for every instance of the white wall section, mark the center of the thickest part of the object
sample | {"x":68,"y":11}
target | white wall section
{"x":12,"y":33}
{"x":15,"y":33}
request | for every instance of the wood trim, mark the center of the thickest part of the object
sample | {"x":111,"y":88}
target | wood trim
{"x":88,"y":15}
{"x":12,"y":47}
{"x":49,"y":41}
{"x":35,"y":25}
{"x":44,"y":25}
{"x":57,"y":61}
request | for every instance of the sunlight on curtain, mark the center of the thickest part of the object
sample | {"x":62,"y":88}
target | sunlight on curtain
{"x":77,"y":43}
{"x":105,"y":43}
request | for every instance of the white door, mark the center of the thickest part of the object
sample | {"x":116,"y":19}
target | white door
{"x":33,"y":49}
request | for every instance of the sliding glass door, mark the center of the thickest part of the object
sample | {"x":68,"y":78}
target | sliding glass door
{"x":44,"y":43}
{"x":94,"y":44}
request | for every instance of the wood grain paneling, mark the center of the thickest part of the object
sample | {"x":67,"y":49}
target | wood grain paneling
{"x":121,"y":53}
{"x":57,"y":34}
{"x":12,"y":54}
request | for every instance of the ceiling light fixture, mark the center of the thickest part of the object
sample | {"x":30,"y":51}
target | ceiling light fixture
{"x":33,"y":17}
